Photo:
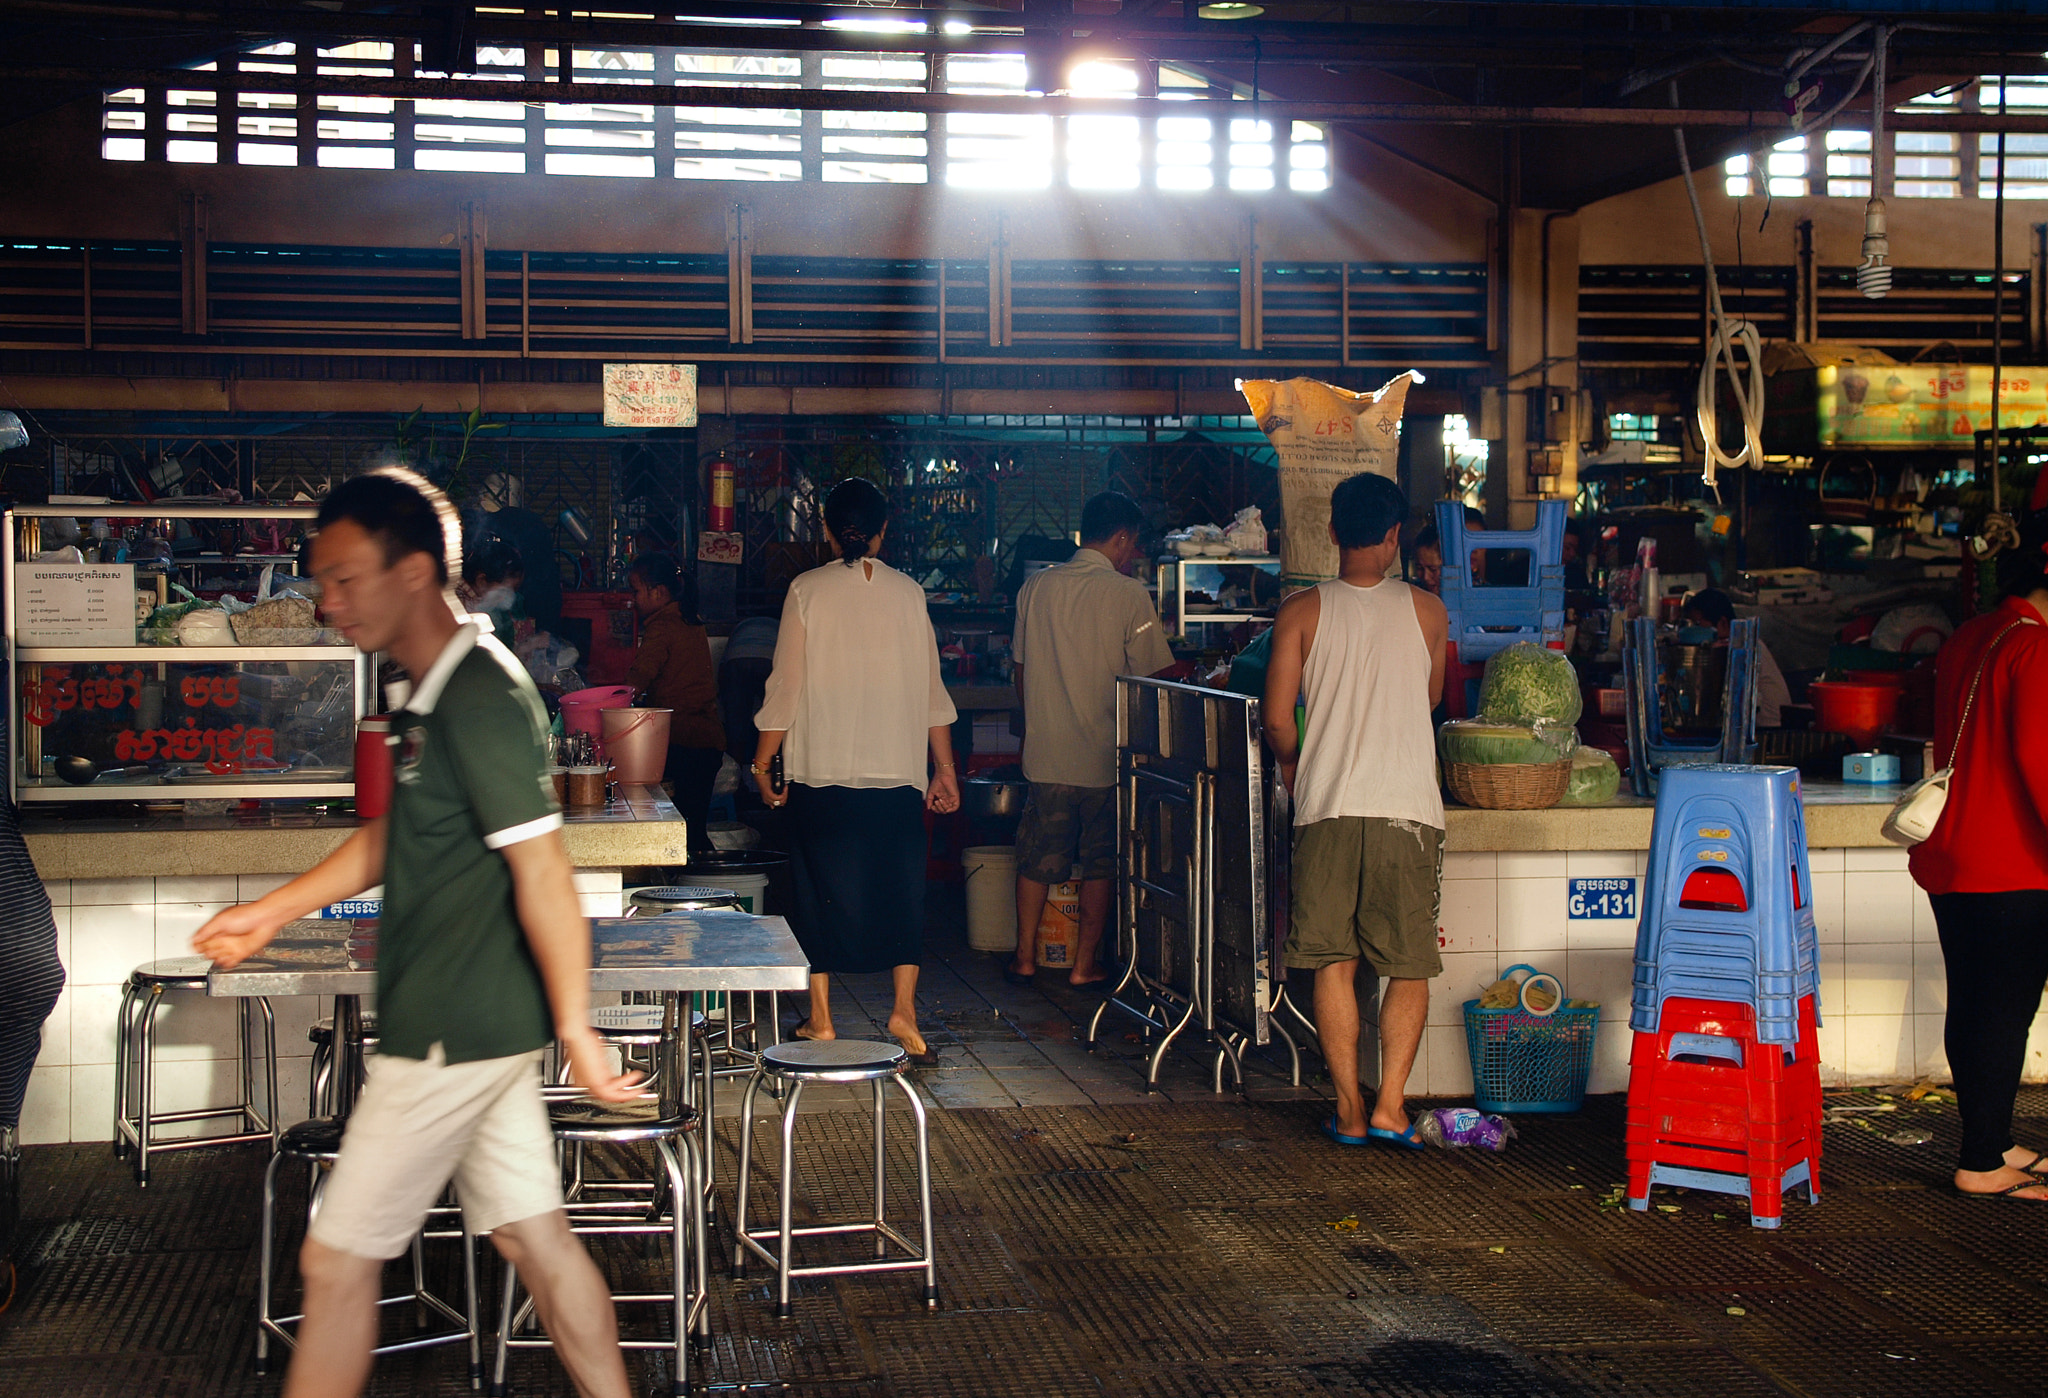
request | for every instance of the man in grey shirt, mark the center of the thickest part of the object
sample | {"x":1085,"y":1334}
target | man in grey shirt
{"x":1079,"y":626}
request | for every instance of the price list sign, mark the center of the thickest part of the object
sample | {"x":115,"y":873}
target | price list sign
{"x":650,"y":395}
{"x":72,"y":604}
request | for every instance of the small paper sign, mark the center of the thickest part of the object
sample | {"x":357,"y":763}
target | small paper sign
{"x":713,"y":547}
{"x":73,"y":604}
{"x":650,"y":395}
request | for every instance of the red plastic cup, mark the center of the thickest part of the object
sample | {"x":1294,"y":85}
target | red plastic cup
{"x":373,"y":766}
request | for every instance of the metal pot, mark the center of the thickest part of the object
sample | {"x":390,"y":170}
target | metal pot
{"x":996,"y":795}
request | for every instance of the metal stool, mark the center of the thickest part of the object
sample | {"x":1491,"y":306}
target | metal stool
{"x":641,"y":1035}
{"x":847,"y":1061}
{"x":666,"y":1126}
{"x":727,"y":1027}
{"x":318,"y":1143}
{"x":320,"y":1096}
{"x":135,"y":1040}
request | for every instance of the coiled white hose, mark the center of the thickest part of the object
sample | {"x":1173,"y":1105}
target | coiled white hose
{"x":1724,"y":335}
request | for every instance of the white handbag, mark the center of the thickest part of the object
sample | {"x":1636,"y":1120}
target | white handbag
{"x":1918,"y":811}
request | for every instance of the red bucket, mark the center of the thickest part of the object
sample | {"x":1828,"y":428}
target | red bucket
{"x":583,"y":709}
{"x":1861,"y":710}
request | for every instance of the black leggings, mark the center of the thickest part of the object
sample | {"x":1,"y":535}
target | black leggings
{"x":31,"y":977}
{"x":1995,"y":946}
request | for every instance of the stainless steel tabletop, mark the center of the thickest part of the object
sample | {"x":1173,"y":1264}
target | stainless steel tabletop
{"x":701,"y":951}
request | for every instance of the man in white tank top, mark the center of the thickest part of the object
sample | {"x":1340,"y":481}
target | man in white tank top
{"x":1366,"y":655}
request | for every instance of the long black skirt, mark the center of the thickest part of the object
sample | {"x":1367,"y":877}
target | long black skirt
{"x":857,"y":864}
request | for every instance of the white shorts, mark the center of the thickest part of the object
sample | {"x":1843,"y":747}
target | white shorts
{"x":421,"y":1122}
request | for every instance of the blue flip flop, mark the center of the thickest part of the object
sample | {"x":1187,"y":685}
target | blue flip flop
{"x":1404,"y":1140}
{"x":1330,"y":1130}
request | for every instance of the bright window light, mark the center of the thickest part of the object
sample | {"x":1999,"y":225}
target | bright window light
{"x":256,"y":153}
{"x":356,"y":158}
{"x":708,"y":168}
{"x":192,"y":152}
{"x":122,"y":148}
{"x":478,"y":160}
{"x":1251,"y":179}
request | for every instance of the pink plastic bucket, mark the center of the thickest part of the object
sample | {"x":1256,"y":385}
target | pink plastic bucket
{"x":636,"y":741}
{"x":580,"y":708}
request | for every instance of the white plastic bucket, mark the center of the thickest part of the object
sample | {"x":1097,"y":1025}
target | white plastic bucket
{"x":991,"y":896}
{"x":752,"y":888}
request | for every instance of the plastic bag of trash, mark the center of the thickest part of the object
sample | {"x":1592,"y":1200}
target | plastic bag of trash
{"x":1464,"y":1126}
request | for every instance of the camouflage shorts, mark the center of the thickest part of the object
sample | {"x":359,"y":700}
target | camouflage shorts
{"x":1064,"y":826}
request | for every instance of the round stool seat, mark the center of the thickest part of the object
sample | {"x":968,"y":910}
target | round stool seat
{"x":177,"y":973}
{"x":638,"y":1025}
{"x":316,"y":1139}
{"x":686,"y":898}
{"x":834,"y":1060}
{"x":322,"y":1030}
{"x":581,"y":1119}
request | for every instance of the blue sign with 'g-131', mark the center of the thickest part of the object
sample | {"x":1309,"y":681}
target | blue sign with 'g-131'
{"x":1601,"y":898}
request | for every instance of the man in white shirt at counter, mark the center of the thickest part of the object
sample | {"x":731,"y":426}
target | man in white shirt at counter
{"x":1079,"y":626}
{"x":1367,"y":654}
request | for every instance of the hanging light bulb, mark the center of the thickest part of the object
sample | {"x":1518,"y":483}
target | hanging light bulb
{"x":1874,"y":273}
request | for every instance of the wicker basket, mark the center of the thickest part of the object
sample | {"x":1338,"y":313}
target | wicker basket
{"x":1509,"y":786}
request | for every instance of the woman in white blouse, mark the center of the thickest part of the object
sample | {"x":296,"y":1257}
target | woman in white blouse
{"x":853,"y":705}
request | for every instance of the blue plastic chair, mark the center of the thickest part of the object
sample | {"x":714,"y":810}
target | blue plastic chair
{"x":1649,"y":750}
{"x":1488,"y":619}
{"x":1728,"y":898}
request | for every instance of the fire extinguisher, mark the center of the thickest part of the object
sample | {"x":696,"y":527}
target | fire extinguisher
{"x":719,"y":517}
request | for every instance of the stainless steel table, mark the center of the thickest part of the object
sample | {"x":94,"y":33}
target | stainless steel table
{"x":676,"y":955}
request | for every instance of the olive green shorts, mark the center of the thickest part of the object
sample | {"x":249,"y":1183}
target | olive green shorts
{"x":1367,"y":886}
{"x":1064,"y":826}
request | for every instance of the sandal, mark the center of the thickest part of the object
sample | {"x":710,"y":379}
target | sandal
{"x":927,"y":1059}
{"x":2033,"y":1167}
{"x":2008,"y":1192}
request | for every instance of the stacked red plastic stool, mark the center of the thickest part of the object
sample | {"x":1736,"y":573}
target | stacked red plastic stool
{"x":1724,"y":1076}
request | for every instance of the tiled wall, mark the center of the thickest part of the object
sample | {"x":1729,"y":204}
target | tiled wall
{"x":1883,"y":991}
{"x":108,"y":927}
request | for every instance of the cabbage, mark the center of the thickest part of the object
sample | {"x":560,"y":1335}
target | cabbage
{"x":1526,"y":683}
{"x":1495,"y":744}
{"x":1595,"y":779}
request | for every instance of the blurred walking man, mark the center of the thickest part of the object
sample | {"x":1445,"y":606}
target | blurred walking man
{"x":483,"y":956}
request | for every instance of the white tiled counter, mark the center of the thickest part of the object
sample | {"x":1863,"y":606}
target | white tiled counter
{"x":107,"y":926}
{"x":1507,"y":899}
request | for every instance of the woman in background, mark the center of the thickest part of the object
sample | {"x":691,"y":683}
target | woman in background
{"x":853,"y":705}
{"x":1985,"y":865}
{"x":673,"y":670}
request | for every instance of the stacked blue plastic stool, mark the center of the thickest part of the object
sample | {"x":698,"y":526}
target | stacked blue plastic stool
{"x":1724,"y":1075}
{"x":1743,"y":823}
{"x":1487,"y":619}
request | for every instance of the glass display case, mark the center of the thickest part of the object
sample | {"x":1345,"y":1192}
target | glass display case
{"x":1217,"y":591}
{"x":172,"y":652}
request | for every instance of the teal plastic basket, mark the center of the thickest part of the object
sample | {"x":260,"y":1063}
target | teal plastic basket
{"x":1523,"y":1061}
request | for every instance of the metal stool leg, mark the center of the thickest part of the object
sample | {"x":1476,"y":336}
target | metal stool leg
{"x":124,"y":1028}
{"x":787,"y":1191}
{"x":739,"y":1227}
{"x":265,"y":1263}
{"x":881,"y":1174}
{"x":145,"y":1079}
{"x":924,"y":1194}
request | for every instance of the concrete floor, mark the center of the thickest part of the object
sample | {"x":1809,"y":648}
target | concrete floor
{"x":1093,"y":1239}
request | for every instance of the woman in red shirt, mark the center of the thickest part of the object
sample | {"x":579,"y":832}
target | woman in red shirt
{"x":1985,"y":868}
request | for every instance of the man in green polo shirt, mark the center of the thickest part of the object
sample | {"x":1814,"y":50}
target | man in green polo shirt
{"x":483,"y":955}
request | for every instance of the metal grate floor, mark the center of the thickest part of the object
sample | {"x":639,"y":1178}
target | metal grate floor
{"x":1173,"y":1250}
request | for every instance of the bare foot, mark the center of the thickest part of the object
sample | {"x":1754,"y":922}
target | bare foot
{"x":2034,"y":1162}
{"x":1078,"y":980}
{"x":2006,"y":1180}
{"x":816,"y":1036}
{"x":904,"y":1031}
